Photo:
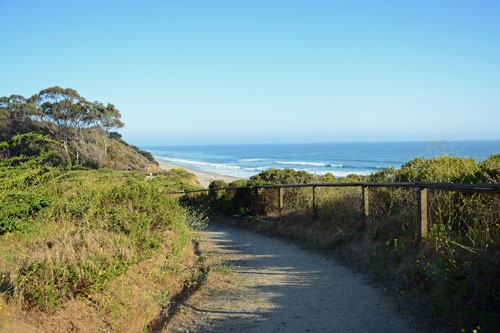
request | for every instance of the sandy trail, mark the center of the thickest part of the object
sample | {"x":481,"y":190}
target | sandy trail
{"x":288,"y":289}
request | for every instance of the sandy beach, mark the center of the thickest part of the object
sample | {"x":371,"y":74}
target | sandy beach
{"x":204,"y":178}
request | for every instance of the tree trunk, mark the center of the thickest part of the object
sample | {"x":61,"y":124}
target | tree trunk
{"x":65,"y":145}
{"x":105,"y":148}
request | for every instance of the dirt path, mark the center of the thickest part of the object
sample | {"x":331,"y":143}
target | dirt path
{"x":287,"y":289}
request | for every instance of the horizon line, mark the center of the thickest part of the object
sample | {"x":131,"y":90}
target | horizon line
{"x":326,"y":142}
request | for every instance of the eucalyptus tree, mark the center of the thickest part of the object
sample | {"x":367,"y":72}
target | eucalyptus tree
{"x":66,"y":115}
{"x":16,"y":116}
{"x":104,"y":118}
{"x":63,"y":112}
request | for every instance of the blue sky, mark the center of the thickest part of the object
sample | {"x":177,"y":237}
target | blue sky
{"x":193,"y":72}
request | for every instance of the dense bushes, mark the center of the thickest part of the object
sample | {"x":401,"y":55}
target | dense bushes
{"x":444,"y":169}
{"x":281,"y":176}
{"x":66,"y":234}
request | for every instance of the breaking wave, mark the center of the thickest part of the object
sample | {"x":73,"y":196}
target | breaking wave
{"x":316,"y":164}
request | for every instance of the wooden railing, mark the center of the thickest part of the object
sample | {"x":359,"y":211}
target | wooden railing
{"x":422,"y":192}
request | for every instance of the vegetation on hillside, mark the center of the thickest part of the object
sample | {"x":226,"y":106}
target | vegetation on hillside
{"x":82,"y":246}
{"x":456,"y":269}
{"x":84,"y":129}
{"x":114,"y":248}
{"x":68,"y":236}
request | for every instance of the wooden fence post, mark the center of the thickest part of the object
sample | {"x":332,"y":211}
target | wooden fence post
{"x":240,"y":197}
{"x":315,"y":204}
{"x":281,"y":195}
{"x":255,"y":202}
{"x":423,"y":205}
{"x":366,"y":205}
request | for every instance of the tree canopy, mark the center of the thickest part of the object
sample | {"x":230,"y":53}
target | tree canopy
{"x":65,"y":113}
{"x":15,"y":116}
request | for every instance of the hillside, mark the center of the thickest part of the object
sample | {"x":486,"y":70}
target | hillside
{"x":84,"y":247}
{"x":91,"y":249}
{"x":83,"y":129}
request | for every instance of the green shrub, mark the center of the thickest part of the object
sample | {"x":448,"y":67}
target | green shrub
{"x":70,"y":232}
{"x":444,"y":169}
{"x":238,"y":183}
{"x":490,"y":169}
{"x":281,"y":176}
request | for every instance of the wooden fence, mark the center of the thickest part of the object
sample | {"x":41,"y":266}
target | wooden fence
{"x":421,"y":187}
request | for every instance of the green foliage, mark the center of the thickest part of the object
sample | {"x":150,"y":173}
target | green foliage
{"x":148,"y":156}
{"x":81,"y":127}
{"x":30,"y":148}
{"x":352,"y":178}
{"x":219,"y":200}
{"x":16,"y":117}
{"x":217,"y":184}
{"x":327,"y":178}
{"x":382,"y":176}
{"x":115,"y":135}
{"x":174,"y":180}
{"x":281,"y":176}
{"x":443,"y":169}
{"x":214,"y":184}
{"x":66,"y":112}
{"x":68,"y":233}
{"x":238,"y":183}
{"x":490,"y":169}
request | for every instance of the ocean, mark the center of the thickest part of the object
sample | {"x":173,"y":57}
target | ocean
{"x":340,"y":159}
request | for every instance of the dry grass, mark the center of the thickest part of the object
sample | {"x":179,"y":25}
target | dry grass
{"x":106,"y":252}
{"x":131,"y":302}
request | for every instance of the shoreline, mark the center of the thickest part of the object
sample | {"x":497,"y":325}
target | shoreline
{"x":204,"y":178}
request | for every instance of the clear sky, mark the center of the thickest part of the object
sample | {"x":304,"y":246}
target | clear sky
{"x":194,"y":72}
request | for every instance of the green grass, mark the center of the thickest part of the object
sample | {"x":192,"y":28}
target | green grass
{"x":67,"y":234}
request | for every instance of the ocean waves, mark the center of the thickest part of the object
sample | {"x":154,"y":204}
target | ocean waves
{"x":250,"y":160}
{"x":338,"y":173}
{"x":339,"y":159}
{"x":305,"y":163}
{"x":218,"y":168}
{"x":181,"y":161}
{"x":247,"y":167}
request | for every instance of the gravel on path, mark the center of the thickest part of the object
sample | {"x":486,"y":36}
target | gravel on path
{"x":289,"y":289}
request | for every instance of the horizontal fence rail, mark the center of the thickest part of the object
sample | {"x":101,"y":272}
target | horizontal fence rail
{"x":421,"y":187}
{"x":474,"y":188}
